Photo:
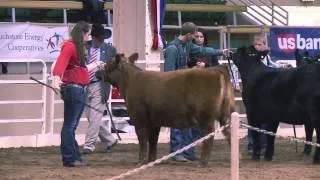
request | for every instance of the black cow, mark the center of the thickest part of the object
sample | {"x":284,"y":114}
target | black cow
{"x":278,"y":95}
{"x":301,"y":60}
{"x":304,"y":58}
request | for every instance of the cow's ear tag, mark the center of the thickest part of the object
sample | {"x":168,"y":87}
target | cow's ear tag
{"x":118,"y":58}
{"x":133,"y":57}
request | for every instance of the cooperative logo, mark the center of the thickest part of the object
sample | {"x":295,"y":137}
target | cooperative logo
{"x":289,"y":42}
{"x":55,"y":42}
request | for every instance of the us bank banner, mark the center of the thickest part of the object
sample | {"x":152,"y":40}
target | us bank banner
{"x":28,"y":41}
{"x":284,"y":41}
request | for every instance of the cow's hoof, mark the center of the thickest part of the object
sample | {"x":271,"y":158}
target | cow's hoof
{"x":316,"y":161}
{"x":202,"y":164}
{"x":152,"y":159}
{"x":255,"y":157}
{"x":140,"y":163}
{"x":268,"y":158}
{"x":306,"y":151}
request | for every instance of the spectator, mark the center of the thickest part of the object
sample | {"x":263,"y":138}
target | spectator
{"x":177,"y":56}
{"x":70,"y":77}
{"x":201,"y":39}
{"x":259,"y":45}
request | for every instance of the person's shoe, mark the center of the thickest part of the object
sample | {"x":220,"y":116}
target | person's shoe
{"x":191,"y":158}
{"x":87,"y":151}
{"x":179,"y":158}
{"x":76,"y":164}
{"x":250,"y":149}
{"x":108,"y":149}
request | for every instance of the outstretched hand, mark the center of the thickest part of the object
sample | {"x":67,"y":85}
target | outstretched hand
{"x":285,"y":65}
{"x":225,"y":52}
{"x":200,"y":64}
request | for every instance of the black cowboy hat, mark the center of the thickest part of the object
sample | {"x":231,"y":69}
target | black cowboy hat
{"x":100,"y":32}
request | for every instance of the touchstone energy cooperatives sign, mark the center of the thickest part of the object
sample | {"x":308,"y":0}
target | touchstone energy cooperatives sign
{"x":28,"y":41}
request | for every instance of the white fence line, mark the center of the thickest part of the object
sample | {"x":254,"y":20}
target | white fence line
{"x":49,"y":127}
{"x":234,"y":153}
{"x":167,"y":157}
{"x":43,"y":100}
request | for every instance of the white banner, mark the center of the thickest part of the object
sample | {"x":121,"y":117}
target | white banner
{"x":28,"y":41}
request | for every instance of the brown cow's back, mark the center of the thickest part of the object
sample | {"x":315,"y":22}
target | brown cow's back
{"x":179,"y":98}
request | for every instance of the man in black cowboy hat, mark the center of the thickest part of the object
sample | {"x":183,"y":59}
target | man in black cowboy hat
{"x":98,"y":91}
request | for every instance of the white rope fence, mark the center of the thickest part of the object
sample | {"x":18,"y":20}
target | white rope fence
{"x":285,"y":137}
{"x":164,"y":158}
{"x":235,"y":124}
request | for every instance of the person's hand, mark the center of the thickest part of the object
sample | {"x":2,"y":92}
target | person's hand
{"x":62,"y":42}
{"x":285,"y":65}
{"x":237,"y":88}
{"x":200,"y":64}
{"x":95,"y":65}
{"x":288,"y":66}
{"x":100,"y":64}
{"x":56,"y":84}
{"x":225,"y":52}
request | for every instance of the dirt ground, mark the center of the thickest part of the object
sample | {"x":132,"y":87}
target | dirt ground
{"x":45,"y":163}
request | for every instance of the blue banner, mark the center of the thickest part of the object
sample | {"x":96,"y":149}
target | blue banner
{"x":284,"y":41}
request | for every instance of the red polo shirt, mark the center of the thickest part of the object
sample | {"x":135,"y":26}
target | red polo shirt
{"x":68,"y":66}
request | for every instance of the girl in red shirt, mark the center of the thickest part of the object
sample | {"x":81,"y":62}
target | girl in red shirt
{"x":70,"y":76}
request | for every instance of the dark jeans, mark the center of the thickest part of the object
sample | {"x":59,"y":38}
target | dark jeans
{"x":263,"y":137}
{"x":73,"y":98}
{"x":196,"y":133}
{"x":180,"y":138}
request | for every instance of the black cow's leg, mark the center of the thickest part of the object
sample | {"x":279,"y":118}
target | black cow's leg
{"x":207,"y":144}
{"x":142,"y":137}
{"x":309,"y":132}
{"x":153,"y":141}
{"x":256,"y":145}
{"x":273,"y":127}
{"x":316,"y":158}
{"x":313,"y":104}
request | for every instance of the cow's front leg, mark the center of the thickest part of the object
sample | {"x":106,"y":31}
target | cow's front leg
{"x":309,"y":132}
{"x":142,"y":138}
{"x":207,"y":144}
{"x":153,"y":141}
{"x":226,"y":131}
{"x":316,"y":158}
{"x":256,"y":148}
{"x":273,"y":127}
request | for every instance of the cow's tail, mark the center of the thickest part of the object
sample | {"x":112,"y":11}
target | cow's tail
{"x":228,"y":102}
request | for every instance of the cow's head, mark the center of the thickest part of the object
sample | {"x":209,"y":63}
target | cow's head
{"x":245,"y":56}
{"x":304,"y":58}
{"x":114,"y":68}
